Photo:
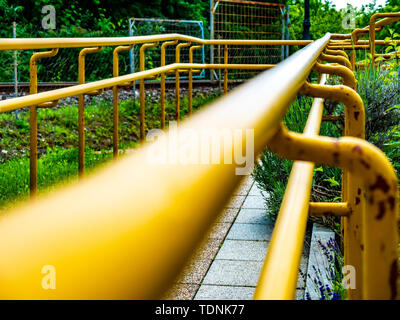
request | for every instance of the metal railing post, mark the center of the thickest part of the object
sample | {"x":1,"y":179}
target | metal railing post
{"x":33,"y":88}
{"x":116,"y":51}
{"x":190,"y":93}
{"x":177,"y":82}
{"x":142,"y":88}
{"x":163,"y":76}
{"x":81,"y":108}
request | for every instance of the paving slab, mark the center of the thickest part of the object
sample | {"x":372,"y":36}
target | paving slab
{"x":242,"y":250}
{"x":250,"y":231}
{"x":254,"y":202}
{"x":234,"y":273}
{"x":253,"y":216}
{"x":256,"y":191}
{"x":212,"y":292}
{"x":318,"y":262}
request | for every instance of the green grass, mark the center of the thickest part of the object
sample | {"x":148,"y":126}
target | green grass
{"x":54,"y":166}
{"x":58,"y":141}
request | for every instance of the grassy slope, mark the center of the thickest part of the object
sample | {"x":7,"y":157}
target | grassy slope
{"x":58,"y":140}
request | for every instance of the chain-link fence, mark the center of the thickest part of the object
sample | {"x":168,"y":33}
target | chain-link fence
{"x":153,"y":26}
{"x":62,"y":69}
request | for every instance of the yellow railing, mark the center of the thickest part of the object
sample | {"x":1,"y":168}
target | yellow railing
{"x":123,"y":44}
{"x":126,"y":231}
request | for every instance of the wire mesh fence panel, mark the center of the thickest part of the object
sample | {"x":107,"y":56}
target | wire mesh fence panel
{"x":61,"y":69}
{"x":153,"y":26}
{"x":247,"y":20}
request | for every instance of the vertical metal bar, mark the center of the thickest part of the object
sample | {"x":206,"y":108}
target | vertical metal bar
{"x":33,"y":87}
{"x":117,"y":50}
{"x":33,"y":130}
{"x":162,"y":98}
{"x":115,"y":105}
{"x":81,"y":116}
{"x":177,"y":82}
{"x":142,"y":88}
{"x":81,"y":108}
{"x":190,"y":93}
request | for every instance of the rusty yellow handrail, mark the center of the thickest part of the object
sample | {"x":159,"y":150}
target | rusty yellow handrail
{"x":284,"y":252}
{"x":48,"y":43}
{"x":139,"y":207}
{"x":101,"y":233}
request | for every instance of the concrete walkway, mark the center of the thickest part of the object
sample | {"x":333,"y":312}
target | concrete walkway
{"x":228,"y":264}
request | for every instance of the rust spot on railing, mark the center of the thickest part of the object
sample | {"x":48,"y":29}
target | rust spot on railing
{"x":381,"y":184}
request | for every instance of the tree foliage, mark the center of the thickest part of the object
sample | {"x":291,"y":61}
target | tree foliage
{"x":80,"y":17}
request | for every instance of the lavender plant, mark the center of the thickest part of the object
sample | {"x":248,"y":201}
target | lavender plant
{"x":326,"y":284}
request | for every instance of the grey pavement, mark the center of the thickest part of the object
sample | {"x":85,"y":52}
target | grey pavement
{"x":229,"y":267}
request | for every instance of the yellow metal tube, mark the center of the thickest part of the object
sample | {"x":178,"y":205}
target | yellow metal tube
{"x":177,"y":82}
{"x":81,"y":108}
{"x":98,"y":233}
{"x":190,"y":93}
{"x":390,"y":18}
{"x":116,"y":51}
{"x":46,"y":43}
{"x":337,"y":53}
{"x":349,"y":47}
{"x":21,"y":102}
{"x":334,"y":209}
{"x":348,"y":76}
{"x":337,"y":59}
{"x":142,"y":88}
{"x":162,"y":97}
{"x":354,"y":106}
{"x":354,"y":120}
{"x":278,"y":277}
{"x":33,"y":117}
{"x":378,"y":199}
